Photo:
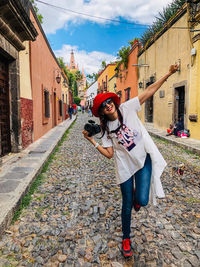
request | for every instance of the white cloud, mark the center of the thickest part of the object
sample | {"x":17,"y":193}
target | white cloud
{"x":140,"y":11}
{"x":90,"y":61}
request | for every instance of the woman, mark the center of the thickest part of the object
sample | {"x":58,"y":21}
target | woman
{"x":138,"y":162}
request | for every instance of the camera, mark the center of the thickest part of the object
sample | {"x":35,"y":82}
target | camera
{"x":92,"y":128}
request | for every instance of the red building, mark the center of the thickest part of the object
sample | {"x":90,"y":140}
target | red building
{"x":126,"y":85}
{"x":45,"y":83}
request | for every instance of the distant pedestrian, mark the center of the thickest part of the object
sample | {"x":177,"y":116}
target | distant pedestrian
{"x":70,"y":111}
{"x":89,"y":112}
{"x":138,"y":162}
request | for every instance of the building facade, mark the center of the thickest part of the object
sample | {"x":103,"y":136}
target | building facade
{"x":126,"y":82}
{"x":13,"y":33}
{"x":46,"y":84}
{"x":81,"y":83}
{"x":104,"y":77}
{"x":171,"y":45}
{"x":194,"y":93}
{"x":91,"y":93}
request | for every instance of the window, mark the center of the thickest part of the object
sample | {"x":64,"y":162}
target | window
{"x":46,"y":104}
{"x":119,"y":93}
{"x":127,"y":93}
{"x":60,"y":107}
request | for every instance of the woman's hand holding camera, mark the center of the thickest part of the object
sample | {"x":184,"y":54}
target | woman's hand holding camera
{"x":85,"y":134}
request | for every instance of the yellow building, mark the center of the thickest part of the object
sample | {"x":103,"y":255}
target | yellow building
{"x":194,"y":94}
{"x":112,"y":84}
{"x":25,"y":77}
{"x":173,"y":100}
{"x":65,"y":94}
{"x":104,"y":77}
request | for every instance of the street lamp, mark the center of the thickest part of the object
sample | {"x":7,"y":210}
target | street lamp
{"x":140,"y":85}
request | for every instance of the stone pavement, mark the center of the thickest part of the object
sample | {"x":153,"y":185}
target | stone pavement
{"x":74,"y":216}
{"x":190,"y":144}
{"x":18,"y":171}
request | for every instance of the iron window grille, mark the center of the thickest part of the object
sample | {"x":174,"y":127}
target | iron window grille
{"x":46,"y":104}
{"x":127,"y":93}
{"x":60,"y":107}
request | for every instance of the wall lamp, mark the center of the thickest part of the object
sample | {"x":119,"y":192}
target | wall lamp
{"x":140,"y":84}
{"x":57,"y":75}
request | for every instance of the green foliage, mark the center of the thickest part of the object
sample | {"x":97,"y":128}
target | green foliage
{"x":103,"y":64}
{"x":78,"y":75}
{"x":122,"y":57}
{"x":163,"y":17}
{"x":40,"y":17}
{"x":93,"y":77}
{"x":131,"y":42}
{"x":77,"y":100}
{"x":75,"y":89}
{"x":72,"y":77}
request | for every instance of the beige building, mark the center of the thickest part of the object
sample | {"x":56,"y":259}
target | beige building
{"x":171,"y":45}
{"x":112,"y":84}
{"x":194,"y":94}
{"x":65,"y":94}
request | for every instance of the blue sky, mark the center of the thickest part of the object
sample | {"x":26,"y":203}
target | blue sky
{"x":106,"y":38}
{"x":93,"y":39}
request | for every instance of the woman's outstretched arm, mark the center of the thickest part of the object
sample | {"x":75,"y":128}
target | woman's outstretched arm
{"x":151,"y":89}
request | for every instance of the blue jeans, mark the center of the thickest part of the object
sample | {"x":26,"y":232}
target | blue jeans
{"x":142,"y":188}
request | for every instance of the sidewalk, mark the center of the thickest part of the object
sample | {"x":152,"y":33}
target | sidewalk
{"x":190,"y":144}
{"x":19,"y":170}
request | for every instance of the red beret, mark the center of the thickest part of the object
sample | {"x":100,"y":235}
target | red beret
{"x":100,"y":98}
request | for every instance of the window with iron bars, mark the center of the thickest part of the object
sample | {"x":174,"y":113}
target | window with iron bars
{"x":46,"y":104}
{"x":60,"y":107}
{"x":127,"y":93}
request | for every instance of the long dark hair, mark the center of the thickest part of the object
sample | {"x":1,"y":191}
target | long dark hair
{"x":104,"y":120}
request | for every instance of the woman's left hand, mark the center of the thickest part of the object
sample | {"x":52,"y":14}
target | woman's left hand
{"x":173,"y":68}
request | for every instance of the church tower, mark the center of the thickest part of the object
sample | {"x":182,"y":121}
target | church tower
{"x":72,"y":65}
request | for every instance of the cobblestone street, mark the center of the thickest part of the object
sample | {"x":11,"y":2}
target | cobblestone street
{"x":74,"y":217}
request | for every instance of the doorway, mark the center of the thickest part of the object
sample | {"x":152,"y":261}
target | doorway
{"x":179,"y":103}
{"x":149,"y":109}
{"x":5,"y":142}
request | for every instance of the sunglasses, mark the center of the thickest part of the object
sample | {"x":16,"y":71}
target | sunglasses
{"x":107,"y":101}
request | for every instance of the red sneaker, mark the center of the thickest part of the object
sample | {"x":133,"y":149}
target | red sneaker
{"x":126,"y":248}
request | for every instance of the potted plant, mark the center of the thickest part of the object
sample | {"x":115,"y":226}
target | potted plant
{"x":133,"y":42}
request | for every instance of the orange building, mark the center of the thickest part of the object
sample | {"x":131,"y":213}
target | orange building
{"x":45,"y":83}
{"x":104,"y":76}
{"x":126,"y":84}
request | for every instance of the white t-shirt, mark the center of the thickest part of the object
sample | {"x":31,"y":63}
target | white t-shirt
{"x":131,"y":143}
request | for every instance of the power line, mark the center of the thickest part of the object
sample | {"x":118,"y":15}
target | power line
{"x":91,"y":16}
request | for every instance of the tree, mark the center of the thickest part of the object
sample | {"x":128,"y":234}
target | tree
{"x":93,"y":77}
{"x":40,"y":17}
{"x":103,"y":64}
{"x":75,"y":89}
{"x":122,"y":56}
{"x":77,"y":100}
{"x":78,"y":75}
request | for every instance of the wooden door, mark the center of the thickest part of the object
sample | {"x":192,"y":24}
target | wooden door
{"x":5,"y":145}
